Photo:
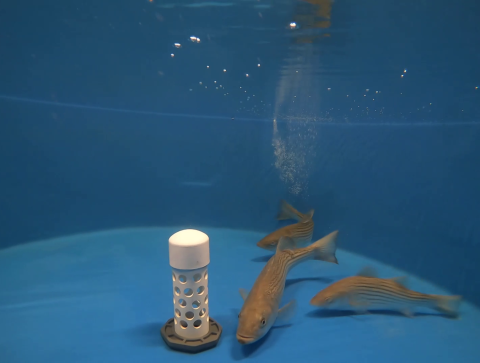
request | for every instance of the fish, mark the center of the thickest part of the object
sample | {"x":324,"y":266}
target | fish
{"x":366,"y":291}
{"x":260,"y":309}
{"x":300,"y":232}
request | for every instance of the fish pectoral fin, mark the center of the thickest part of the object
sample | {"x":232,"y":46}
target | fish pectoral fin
{"x":361,"y":311}
{"x":285,"y":243}
{"x":286,"y":314}
{"x":358,"y":306}
{"x":367,"y":272}
{"x":407,"y":313}
{"x":243,"y":293}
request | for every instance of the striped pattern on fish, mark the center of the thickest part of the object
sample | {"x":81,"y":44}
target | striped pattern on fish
{"x":280,"y":264}
{"x":367,"y":292}
{"x":300,"y":232}
{"x":261,"y":306}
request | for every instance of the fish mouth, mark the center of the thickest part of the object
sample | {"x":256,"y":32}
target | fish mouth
{"x":243,"y":339}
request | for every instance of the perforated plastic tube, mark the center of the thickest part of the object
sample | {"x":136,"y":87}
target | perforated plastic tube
{"x":189,"y":258}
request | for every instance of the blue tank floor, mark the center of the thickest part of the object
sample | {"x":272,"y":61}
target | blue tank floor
{"x":103,"y":297}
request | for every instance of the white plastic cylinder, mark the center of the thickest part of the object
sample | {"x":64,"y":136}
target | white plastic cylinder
{"x":189,"y":258}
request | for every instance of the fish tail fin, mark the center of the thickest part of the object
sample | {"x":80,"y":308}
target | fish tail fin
{"x":288,"y":212}
{"x":324,"y":249}
{"x":307,"y":216}
{"x":448,"y":304}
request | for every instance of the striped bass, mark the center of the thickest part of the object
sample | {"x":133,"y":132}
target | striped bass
{"x":300,"y":232}
{"x":368,"y":292}
{"x":261,"y":306}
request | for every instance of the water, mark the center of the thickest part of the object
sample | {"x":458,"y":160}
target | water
{"x":124,"y":122}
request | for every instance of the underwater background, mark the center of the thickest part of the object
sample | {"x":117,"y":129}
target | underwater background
{"x":124,"y":122}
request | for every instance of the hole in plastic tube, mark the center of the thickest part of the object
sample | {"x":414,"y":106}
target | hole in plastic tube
{"x":206,"y":299}
{"x":197,"y":277}
{"x":182,"y":303}
{"x":182,"y":279}
{"x":188,"y":292}
{"x":202,"y":312}
{"x":200,"y":290}
{"x":206,"y":275}
{"x":177,"y":291}
{"x":173,"y":277}
{"x":183,"y":324}
{"x":177,"y":313}
{"x":197,"y":324}
{"x":189,"y":315}
{"x":196,"y":304}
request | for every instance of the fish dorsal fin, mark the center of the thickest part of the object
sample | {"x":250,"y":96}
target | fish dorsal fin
{"x":367,"y":272}
{"x":285,"y":243}
{"x":308,"y":216}
{"x":243,"y":293}
{"x":401,"y":280}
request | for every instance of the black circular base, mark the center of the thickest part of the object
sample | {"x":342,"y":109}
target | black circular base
{"x":176,"y":342}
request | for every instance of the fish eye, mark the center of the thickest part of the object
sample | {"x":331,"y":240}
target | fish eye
{"x":263,"y":321}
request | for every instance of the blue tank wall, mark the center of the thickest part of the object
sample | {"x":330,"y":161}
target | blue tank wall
{"x":406,"y":195}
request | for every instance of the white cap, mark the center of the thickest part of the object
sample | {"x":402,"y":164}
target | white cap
{"x":189,"y":249}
